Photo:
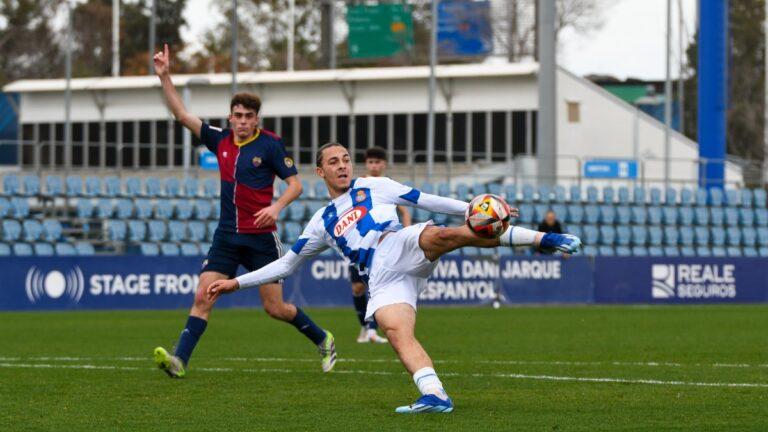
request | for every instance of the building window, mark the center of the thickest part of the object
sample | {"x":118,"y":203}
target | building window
{"x":574,"y":112}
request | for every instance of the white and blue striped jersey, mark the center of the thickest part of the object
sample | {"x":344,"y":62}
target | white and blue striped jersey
{"x":352,"y":224}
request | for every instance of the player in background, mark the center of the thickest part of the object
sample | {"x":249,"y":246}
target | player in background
{"x":375,"y":166}
{"x":361,"y":224}
{"x":249,"y":158}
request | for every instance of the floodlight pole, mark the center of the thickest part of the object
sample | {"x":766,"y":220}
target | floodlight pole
{"x":68,"y":95}
{"x":546,"y":126}
{"x":291,"y":30}
{"x":432,"y":88}
{"x":152,"y":14}
{"x":668,"y":97}
{"x":116,"y":38}
{"x":234,"y":47}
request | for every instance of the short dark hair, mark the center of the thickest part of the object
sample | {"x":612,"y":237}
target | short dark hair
{"x":319,"y":157}
{"x":375,"y":152}
{"x":247,"y":100}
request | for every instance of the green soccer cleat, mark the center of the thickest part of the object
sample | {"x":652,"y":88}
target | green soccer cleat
{"x":171,"y":364}
{"x":328,"y":352}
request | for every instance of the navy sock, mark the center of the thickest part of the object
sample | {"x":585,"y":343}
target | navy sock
{"x":361,"y":304}
{"x":305,"y":325}
{"x":189,"y":337}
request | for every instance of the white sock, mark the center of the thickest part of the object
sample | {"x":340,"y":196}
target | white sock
{"x":428,"y":383}
{"x":518,"y":236}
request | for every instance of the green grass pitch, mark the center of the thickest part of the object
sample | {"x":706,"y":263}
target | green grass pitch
{"x":529,"y":368}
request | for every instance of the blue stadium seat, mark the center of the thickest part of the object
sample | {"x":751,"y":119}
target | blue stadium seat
{"x":687,"y":251}
{"x":190,"y":187}
{"x":686,"y":197}
{"x":746,"y":197}
{"x":733,"y":197}
{"x":761,"y":217}
{"x":639,"y":251}
{"x":104,"y":208}
{"x":746,"y":217}
{"x":11,"y":230}
{"x":749,"y":252}
{"x":591,"y":214}
{"x":703,"y":251}
{"x":716,"y":216}
{"x":152,"y":187}
{"x":211,"y":230}
{"x":591,"y":234}
{"x":717,"y":236}
{"x":190,"y":249}
{"x":639,"y":215}
{"x":52,"y":230}
{"x":749,"y":236}
{"x":116,"y":230}
{"x":575,"y":214}
{"x":143,"y":208}
{"x":671,"y":251}
{"x":488,"y":251}
{"x":314,"y":207}
{"x":592,"y":195}
{"x":560,"y":195}
{"x":297,"y":211}
{"x":137,"y":231}
{"x":112,"y":186}
{"x":43,"y":249}
{"x":655,"y":251}
{"x":84,"y":208}
{"x":157,"y":230}
{"x":716,"y":197}
{"x":623,"y":194}
{"x":11,"y":185}
{"x":544,"y":193}
{"x":440,"y":219}
{"x":606,"y":251}
{"x":701,"y":197}
{"x":92,"y":186}
{"x":321,"y":191}
{"x":561,"y":211}
{"x":419,"y":215}
{"x":527,"y":215}
{"x":654,"y":215}
{"x":65,"y":249}
{"x":575,"y":230}
{"x":5,"y":207}
{"x":607,"y":235}
{"x":504,"y":251}
{"x":23,"y":249}
{"x":731,"y":216}
{"x":760,"y":197}
{"x":172,"y":187}
{"x":733,"y":236}
{"x":177,"y":231}
{"x":196,"y":231}
{"x":655,"y":196}
{"x":671,"y":236}
{"x":639,"y":235}
{"x":470,"y":251}
{"x":670,"y":196}
{"x":638,"y":196}
{"x":462,"y":192}
{"x":210,"y":188}
{"x":427,"y":187}
{"x":204,"y":248}
{"x":33,"y":230}
{"x":763,"y":251}
{"x":444,"y":189}
{"x":163,"y":209}
{"x":54,"y":186}
{"x":528,"y":193}
{"x":686,"y":236}
{"x":291,"y":232}
{"x":20,"y":207}
{"x":719,"y":251}
{"x":623,"y":235}
{"x":74,"y":186}
{"x":701,"y":234}
{"x":31,"y":185}
{"x":123,"y":208}
{"x":623,"y":215}
{"x":574,"y":194}
{"x":590,"y":251}
{"x":623,"y":251}
{"x":655,"y":236}
{"x":701,"y":216}
{"x":132,"y":187}
{"x":203,"y":209}
{"x":685,"y":215}
{"x":280,"y":189}
{"x":183,"y":209}
{"x":539,"y":210}
{"x":669,"y":215}
{"x":85,"y":248}
{"x":608,"y":214}
{"x":149,"y":249}
{"x":5,"y":249}
{"x":478,"y":189}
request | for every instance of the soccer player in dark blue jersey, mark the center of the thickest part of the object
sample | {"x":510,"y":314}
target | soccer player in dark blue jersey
{"x":249,"y":159}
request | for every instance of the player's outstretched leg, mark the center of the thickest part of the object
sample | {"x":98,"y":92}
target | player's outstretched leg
{"x":398,"y":322}
{"x":175,"y":365}
{"x":272,"y":299}
{"x":438,"y":241}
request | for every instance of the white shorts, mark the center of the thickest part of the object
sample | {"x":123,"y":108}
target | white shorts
{"x":399,"y":270}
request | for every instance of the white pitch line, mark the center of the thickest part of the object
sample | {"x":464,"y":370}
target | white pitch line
{"x":608,"y":380}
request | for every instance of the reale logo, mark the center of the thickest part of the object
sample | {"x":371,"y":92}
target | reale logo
{"x":54,"y":284}
{"x":693,"y":281}
{"x":663,"y":281}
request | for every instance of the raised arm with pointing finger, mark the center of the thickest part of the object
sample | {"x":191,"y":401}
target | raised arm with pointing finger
{"x":162,"y":63}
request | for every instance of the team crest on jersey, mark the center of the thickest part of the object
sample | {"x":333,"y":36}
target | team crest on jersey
{"x":256,"y":161}
{"x":288,"y":162}
{"x":361,"y":196}
{"x":348,"y":219}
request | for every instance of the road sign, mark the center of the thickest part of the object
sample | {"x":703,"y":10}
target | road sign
{"x":464,"y":28}
{"x":380,"y":30}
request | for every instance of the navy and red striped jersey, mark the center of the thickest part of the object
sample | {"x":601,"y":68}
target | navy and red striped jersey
{"x":247,"y":174}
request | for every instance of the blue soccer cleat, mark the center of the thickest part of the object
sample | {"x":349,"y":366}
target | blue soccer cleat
{"x":565,"y":243}
{"x":427,"y":404}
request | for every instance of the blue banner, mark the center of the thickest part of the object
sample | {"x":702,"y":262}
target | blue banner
{"x":137,"y":282}
{"x":208,"y":160}
{"x":464,"y":28}
{"x":614,"y":169}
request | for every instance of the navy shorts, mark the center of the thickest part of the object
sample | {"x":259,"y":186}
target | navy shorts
{"x":354,"y":276}
{"x":252,"y":251}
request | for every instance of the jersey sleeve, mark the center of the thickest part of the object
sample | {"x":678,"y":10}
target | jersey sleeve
{"x":311,"y":242}
{"x":403,"y":195}
{"x":211,"y":135}
{"x":280,"y":162}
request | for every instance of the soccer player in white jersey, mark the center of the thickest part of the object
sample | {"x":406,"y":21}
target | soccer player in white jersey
{"x":361,"y":224}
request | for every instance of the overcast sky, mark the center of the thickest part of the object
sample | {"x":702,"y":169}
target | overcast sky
{"x":631,"y":41}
